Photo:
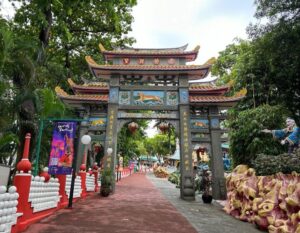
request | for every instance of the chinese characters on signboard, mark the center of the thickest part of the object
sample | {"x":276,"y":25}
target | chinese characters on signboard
{"x":110,"y":135}
{"x":186,"y":160}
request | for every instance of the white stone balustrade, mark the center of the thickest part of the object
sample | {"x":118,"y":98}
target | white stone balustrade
{"x":90,"y":182}
{"x":43,"y":195}
{"x":77,"y":186}
{"x":8,"y":208}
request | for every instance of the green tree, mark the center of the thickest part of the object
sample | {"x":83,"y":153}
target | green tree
{"x":41,"y":47}
{"x":159,"y":145}
{"x":131,"y":145}
{"x":267,"y":65}
{"x":246,"y":138}
{"x":69,"y":30}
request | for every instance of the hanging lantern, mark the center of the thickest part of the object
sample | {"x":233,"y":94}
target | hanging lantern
{"x":201,"y":150}
{"x":163,"y":127}
{"x":133,"y":127}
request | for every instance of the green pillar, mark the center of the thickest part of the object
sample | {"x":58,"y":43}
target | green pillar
{"x":37,"y":156}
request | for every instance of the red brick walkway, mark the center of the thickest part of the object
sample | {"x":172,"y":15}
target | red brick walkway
{"x":136,"y":207}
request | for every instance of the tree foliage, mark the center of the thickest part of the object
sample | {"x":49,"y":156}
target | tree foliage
{"x":246,"y":138}
{"x":267,"y":65}
{"x":40,"y":47}
{"x":70,"y":30}
{"x":131,"y":145}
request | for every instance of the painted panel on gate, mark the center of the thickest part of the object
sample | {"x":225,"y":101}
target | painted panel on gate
{"x":96,"y":121}
{"x":214,"y":123}
{"x":199,"y":124}
{"x":124,"y":97}
{"x":148,"y":98}
{"x":184,"y":96}
{"x":172,"y":98}
{"x":113,"y":95}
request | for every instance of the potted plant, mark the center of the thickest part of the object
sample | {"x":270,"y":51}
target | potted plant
{"x":106,"y":182}
{"x":206,"y":186}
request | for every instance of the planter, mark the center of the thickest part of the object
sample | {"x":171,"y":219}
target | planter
{"x":207,"y":199}
{"x":105,"y":192}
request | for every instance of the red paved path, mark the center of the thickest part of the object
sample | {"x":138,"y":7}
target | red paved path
{"x":136,"y":207}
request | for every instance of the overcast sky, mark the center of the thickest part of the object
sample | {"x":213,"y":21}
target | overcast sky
{"x":212,"y":24}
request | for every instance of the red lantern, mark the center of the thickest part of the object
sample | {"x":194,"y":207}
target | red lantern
{"x":201,"y":150}
{"x":163,"y":127}
{"x":133,"y":127}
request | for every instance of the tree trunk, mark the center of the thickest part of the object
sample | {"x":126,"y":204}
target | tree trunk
{"x":45,"y":31}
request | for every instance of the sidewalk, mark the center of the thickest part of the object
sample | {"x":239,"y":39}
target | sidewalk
{"x":136,"y":207}
{"x":206,"y":218}
{"x":142,"y":204}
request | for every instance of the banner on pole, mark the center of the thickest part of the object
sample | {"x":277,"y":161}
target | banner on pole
{"x":62,"y":148}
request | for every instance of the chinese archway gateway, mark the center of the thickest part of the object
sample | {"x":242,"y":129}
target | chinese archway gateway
{"x":157,"y":80}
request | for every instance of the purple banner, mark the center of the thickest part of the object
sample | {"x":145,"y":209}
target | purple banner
{"x":62,"y":148}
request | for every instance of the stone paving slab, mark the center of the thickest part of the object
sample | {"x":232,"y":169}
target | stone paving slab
{"x":136,"y":207}
{"x":206,"y":218}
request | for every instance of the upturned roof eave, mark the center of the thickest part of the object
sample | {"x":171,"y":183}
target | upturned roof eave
{"x":178,"y":52}
{"x":189,"y":56}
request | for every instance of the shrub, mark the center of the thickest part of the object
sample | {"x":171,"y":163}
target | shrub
{"x":265,"y":165}
{"x":174,"y":178}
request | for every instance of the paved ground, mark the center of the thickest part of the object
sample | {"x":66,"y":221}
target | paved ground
{"x":206,"y":218}
{"x":141,"y":204}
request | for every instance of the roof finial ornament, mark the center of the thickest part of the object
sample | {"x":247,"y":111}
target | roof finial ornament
{"x":102,"y":49}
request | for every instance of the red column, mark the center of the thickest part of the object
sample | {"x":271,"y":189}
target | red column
{"x":95,"y":172}
{"x":24,"y":165}
{"x":62,"y":191}
{"x":82,"y":174}
{"x":22,"y":181}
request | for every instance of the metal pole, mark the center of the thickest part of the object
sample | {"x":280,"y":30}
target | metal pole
{"x":169,"y":134}
{"x":74,"y":163}
{"x":37,"y":157}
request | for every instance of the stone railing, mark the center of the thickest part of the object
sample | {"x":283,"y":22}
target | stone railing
{"x":8,"y":208}
{"x":43,"y":195}
{"x":90,"y":182}
{"x":77,"y":186}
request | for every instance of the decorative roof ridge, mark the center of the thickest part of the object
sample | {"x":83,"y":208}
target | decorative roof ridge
{"x":60,"y":92}
{"x":91,"y":61}
{"x":242,"y":93}
{"x":91,"y":84}
{"x":210,"y":61}
{"x":127,"y":48}
{"x":71,"y":82}
{"x":214,"y":98}
{"x":150,"y":51}
{"x":209,"y":85}
{"x":196,"y":49}
{"x":79,"y":97}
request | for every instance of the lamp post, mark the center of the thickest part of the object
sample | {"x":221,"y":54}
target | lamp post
{"x":109,"y":151}
{"x":84,"y":139}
